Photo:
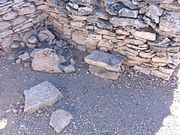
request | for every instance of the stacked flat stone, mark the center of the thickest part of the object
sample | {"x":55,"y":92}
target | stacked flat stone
{"x":146,"y":31}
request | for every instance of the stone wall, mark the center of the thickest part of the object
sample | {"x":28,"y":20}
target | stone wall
{"x":146,"y":31}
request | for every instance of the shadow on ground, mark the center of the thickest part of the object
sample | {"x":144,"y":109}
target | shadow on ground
{"x":135,"y":104}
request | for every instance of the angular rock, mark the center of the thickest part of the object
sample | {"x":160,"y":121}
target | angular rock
{"x":145,"y":35}
{"x":129,"y":4}
{"x":60,"y":119}
{"x":103,"y":73}
{"x":33,"y":40}
{"x":127,"y":22}
{"x":104,"y":24}
{"x":108,"y":61}
{"x":154,"y":12}
{"x":46,"y":60}
{"x":170,"y":22}
{"x":45,"y":35}
{"x":24,"y":56}
{"x":101,"y":13}
{"x":105,"y":43}
{"x":175,"y":7}
{"x":114,"y":8}
{"x":125,"y":12}
{"x":40,"y":96}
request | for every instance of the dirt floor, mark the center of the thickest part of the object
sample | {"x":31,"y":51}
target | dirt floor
{"x":135,"y":104}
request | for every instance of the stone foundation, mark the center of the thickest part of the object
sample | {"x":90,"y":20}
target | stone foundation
{"x":147,"y":32}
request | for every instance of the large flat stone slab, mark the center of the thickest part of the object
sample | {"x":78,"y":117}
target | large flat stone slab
{"x":103,"y":73}
{"x":60,"y":119}
{"x":108,"y":61}
{"x":40,"y":96}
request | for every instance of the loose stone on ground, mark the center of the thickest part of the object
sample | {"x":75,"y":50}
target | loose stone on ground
{"x":40,"y":96}
{"x":60,"y":119}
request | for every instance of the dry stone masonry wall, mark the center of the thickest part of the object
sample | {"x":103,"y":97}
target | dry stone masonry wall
{"x":147,"y":32}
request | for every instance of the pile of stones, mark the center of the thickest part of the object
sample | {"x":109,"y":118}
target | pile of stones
{"x":46,"y":53}
{"x":104,"y":64}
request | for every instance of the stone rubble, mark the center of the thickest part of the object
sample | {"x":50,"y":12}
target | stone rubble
{"x":91,"y":25}
{"x":40,"y":96}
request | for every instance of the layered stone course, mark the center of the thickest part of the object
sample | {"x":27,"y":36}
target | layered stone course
{"x":147,"y":32}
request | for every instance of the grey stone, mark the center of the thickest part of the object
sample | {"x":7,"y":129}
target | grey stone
{"x":60,"y":119}
{"x":129,"y":4}
{"x":154,"y":12}
{"x":114,"y":8}
{"x":25,"y":56}
{"x":170,"y":22}
{"x":3,"y":1}
{"x":105,"y":60}
{"x":116,"y":21}
{"x":158,"y":1}
{"x":33,"y":40}
{"x":125,"y":12}
{"x":45,"y":35}
{"x":175,"y":7}
{"x":40,"y":96}
{"x":101,"y":13}
{"x":104,"y":24}
{"x":103,"y":73}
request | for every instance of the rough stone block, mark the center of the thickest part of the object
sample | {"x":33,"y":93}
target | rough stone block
{"x":40,"y":96}
{"x":105,"y":60}
{"x":60,"y":119}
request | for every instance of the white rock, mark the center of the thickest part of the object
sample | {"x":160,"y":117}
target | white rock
{"x":40,"y":96}
{"x":69,"y":69}
{"x":60,"y":119}
{"x":46,"y":60}
{"x":145,"y":35}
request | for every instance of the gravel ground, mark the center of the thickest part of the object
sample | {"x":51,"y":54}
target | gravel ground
{"x":135,"y":104}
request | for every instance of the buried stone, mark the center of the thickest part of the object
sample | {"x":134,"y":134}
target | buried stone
{"x":108,"y":61}
{"x":40,"y":96}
